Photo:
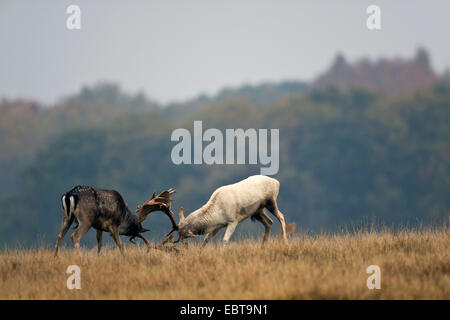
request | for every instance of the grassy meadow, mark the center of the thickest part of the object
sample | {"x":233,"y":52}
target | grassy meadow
{"x":414,"y":265}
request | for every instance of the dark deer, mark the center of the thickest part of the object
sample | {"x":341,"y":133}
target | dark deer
{"x":105,"y":210}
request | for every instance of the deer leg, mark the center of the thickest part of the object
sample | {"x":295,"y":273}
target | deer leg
{"x":115,"y":235}
{"x":145,"y":240}
{"x":266,"y":221}
{"x":230,"y":229}
{"x":209,"y":236}
{"x":273,"y":208}
{"x":99,"y":240}
{"x":81,"y":230}
{"x":168,"y":239}
{"x":64,"y":228}
{"x":184,"y":242}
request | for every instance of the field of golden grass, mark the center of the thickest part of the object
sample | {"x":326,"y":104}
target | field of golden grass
{"x":414,"y":265}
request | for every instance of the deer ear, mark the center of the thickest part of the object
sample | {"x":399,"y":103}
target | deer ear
{"x":181,"y":215}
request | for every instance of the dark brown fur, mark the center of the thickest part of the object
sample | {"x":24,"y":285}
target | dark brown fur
{"x":104,"y":210}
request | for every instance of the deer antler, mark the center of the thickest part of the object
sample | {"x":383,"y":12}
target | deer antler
{"x":162,"y":202}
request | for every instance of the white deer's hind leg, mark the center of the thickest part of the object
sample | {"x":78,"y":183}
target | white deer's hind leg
{"x":273,"y":208}
{"x":262,"y":217}
{"x":230,"y":229}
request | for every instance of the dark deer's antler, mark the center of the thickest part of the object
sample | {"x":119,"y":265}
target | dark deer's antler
{"x":162,"y":202}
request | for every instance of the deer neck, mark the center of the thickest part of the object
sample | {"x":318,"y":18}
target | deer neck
{"x":200,"y":220}
{"x":130,"y":223}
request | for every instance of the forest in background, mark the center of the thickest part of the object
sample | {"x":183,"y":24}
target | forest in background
{"x":348,"y":154}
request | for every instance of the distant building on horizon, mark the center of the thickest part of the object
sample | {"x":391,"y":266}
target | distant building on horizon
{"x":393,"y":77}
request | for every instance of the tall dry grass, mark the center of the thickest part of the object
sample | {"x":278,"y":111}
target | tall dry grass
{"x":414,"y":265}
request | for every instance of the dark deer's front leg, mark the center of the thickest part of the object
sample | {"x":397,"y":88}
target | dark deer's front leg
{"x":149,"y":245}
{"x":99,"y":241}
{"x":115,"y":235}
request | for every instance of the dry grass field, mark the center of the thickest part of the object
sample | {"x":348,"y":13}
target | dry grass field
{"x":414,"y":265}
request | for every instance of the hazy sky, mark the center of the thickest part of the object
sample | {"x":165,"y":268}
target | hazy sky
{"x":174,"y":50}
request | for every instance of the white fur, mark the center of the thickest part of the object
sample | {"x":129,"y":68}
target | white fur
{"x":72,"y":205}
{"x":64,"y":205}
{"x":233,"y":203}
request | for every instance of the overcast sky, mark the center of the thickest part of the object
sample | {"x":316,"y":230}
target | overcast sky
{"x":173,"y":50}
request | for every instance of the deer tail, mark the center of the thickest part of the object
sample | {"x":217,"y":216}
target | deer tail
{"x":69,"y":203}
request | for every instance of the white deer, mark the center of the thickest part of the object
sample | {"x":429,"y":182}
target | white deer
{"x":232,"y":204}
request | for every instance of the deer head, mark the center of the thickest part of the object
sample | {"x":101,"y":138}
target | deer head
{"x":184,"y":230}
